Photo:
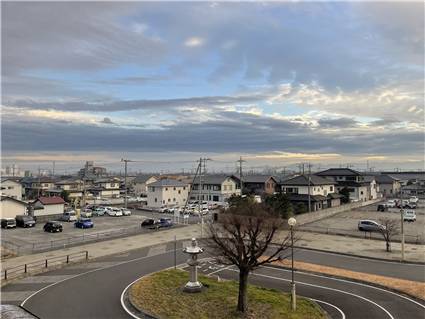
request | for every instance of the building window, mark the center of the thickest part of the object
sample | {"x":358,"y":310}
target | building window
{"x":166,"y":188}
{"x":361,"y":193}
{"x":174,"y":188}
{"x":156,"y":200}
{"x":184,"y":188}
{"x":169,"y":200}
{"x":331,"y":188}
{"x":179,"y":192}
{"x":163,"y":201}
{"x":174,"y":199}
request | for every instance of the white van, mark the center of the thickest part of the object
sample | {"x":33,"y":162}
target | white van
{"x":409,"y":215}
{"x":70,"y":216}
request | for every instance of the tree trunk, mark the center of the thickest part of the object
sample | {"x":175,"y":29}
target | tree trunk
{"x":388,"y":246}
{"x":243,"y":284}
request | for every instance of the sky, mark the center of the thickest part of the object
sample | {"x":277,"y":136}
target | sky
{"x":164,"y":83}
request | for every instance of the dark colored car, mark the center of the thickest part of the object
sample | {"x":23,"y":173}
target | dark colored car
{"x":165,"y":222}
{"x":8,"y":223}
{"x":148,"y":222}
{"x":382,"y":208}
{"x":53,"y":227}
{"x":84,"y":223}
{"x":25,"y":221}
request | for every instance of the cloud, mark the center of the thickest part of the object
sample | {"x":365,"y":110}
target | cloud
{"x":194,"y":42}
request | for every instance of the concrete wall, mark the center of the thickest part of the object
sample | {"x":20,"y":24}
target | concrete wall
{"x":324,"y":213}
{"x":10,"y":208}
{"x":53,"y":209}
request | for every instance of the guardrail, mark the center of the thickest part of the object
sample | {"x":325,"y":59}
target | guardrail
{"x":39,"y":265}
{"x":412,"y":239}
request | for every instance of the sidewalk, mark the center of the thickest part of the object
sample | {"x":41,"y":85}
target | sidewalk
{"x":341,"y":244}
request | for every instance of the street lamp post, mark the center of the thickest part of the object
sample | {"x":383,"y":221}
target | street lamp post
{"x":292,"y":222}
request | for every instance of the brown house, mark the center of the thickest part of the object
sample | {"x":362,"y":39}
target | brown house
{"x":259,"y":184}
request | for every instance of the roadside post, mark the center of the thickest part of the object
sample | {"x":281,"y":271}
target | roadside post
{"x":292,"y":222}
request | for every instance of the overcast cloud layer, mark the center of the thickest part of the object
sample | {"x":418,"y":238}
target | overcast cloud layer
{"x":321,"y":81}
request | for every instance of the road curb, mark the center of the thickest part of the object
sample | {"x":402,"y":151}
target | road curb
{"x":422,"y":301}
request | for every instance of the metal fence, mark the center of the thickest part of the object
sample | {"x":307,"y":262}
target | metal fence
{"x":40,"y":265}
{"x":412,"y":239}
{"x":35,"y":247}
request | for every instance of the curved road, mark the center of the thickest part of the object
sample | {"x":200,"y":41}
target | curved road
{"x":96,"y":293}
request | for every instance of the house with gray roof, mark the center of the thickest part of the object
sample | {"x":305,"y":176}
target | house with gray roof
{"x":319,"y":191}
{"x":388,"y":185}
{"x":140,"y":184}
{"x":259,"y":184}
{"x":215,"y":188}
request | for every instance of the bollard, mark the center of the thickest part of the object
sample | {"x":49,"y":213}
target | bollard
{"x":67,"y":259}
{"x":5,"y":274}
{"x":46,"y":263}
{"x":87,"y":255}
{"x":25,"y":268}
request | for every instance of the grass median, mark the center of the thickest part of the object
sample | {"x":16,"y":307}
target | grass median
{"x":161,"y":295}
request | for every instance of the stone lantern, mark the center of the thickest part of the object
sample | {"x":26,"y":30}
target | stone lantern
{"x":193,"y":285}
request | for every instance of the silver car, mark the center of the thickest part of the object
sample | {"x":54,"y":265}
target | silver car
{"x":370,"y":225}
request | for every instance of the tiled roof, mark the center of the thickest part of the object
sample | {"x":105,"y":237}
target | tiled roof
{"x":51,"y":200}
{"x":339,"y":172}
{"x":257,"y":178}
{"x":142,"y":178}
{"x":167,"y":182}
{"x":214,"y":179}
{"x":302,"y":180}
{"x":13,"y":199}
{"x":384,"y":179}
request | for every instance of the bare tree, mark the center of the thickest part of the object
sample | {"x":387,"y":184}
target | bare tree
{"x":243,"y":235}
{"x":389,"y":229}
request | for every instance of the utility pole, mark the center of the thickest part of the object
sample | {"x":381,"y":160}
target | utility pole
{"x":39,"y":182}
{"x":53,"y":170}
{"x":125,"y":180}
{"x":240,"y":161}
{"x":402,"y":224}
{"x":199,"y":197}
{"x":309,"y":183}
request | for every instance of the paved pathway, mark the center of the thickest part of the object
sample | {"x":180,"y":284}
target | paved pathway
{"x":338,"y":244}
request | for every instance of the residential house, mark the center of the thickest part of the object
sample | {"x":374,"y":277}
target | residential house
{"x":259,"y":184}
{"x":11,"y":188}
{"x":10,"y":207}
{"x":373,"y":191}
{"x":415,"y":189}
{"x":167,"y":192}
{"x":74,"y":188}
{"x":215,"y":188}
{"x":140,"y":184}
{"x":319,"y":191}
{"x":105,"y":188}
{"x":91,"y":170}
{"x":354,"y":181}
{"x":388,"y":186}
{"x":48,"y":206}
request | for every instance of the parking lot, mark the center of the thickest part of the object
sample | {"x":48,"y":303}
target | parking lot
{"x":27,"y":240}
{"x":346,"y":222}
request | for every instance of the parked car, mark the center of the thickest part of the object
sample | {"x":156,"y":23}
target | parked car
{"x":8,"y":223}
{"x":409,"y":216}
{"x":126,"y":212}
{"x":53,"y":227}
{"x":407,"y":204}
{"x":70,"y":216}
{"x":391,"y":203}
{"x":413,"y":199}
{"x":370,"y":225}
{"x":25,"y":221}
{"x":99,"y":211}
{"x":86,"y":213}
{"x":163,"y":209}
{"x":165,"y":222}
{"x":150,"y":223}
{"x":84,"y":223}
{"x":382,"y":208}
{"x":116,"y":212}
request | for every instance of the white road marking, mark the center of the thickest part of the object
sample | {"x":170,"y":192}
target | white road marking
{"x":352,"y":282}
{"x":329,"y":304}
{"x":327,"y":288}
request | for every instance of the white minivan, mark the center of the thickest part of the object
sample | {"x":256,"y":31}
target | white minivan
{"x":409,"y":215}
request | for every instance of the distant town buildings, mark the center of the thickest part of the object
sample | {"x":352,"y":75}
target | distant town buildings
{"x":89,"y":170}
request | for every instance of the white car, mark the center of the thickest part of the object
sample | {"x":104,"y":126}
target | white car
{"x":391,"y":203}
{"x":413,"y":199}
{"x":126,"y":212}
{"x":409,"y":216}
{"x":86,"y":213}
{"x":99,"y":211}
{"x":116,"y":212}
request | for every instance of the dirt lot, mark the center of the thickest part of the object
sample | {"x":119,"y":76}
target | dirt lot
{"x":347,"y":222}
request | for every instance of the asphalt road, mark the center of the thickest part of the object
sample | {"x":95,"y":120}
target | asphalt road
{"x":96,"y":293}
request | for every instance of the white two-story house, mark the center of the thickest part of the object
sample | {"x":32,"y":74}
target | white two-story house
{"x":106,"y":188}
{"x":167,"y":192}
{"x":215,"y":188}
{"x":316,"y":190}
{"x":360,"y":188}
{"x":11,"y":188}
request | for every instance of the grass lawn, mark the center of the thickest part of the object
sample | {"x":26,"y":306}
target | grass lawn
{"x":161,"y":295}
